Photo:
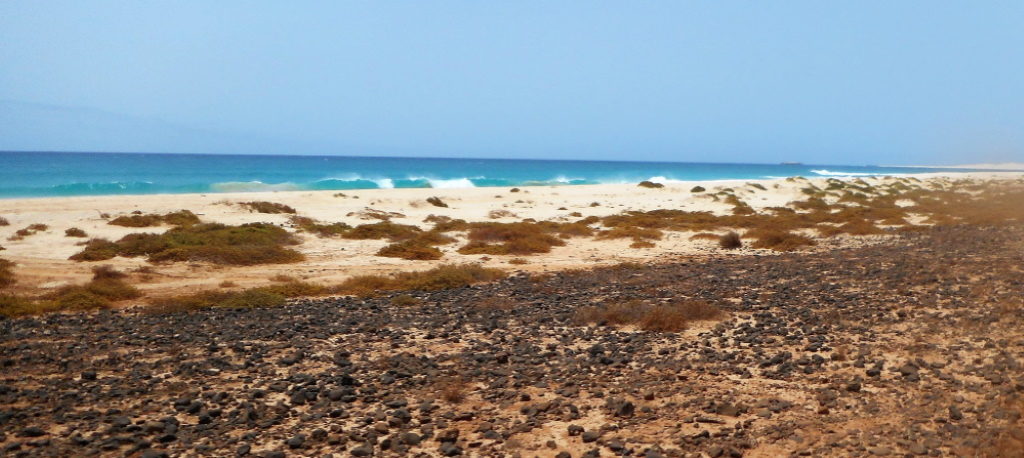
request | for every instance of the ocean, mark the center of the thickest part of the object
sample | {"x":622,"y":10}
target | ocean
{"x":37,"y":174}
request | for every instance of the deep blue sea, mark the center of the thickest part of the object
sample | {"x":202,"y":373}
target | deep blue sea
{"x":30,"y":174}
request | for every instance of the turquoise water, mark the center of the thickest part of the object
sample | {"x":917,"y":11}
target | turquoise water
{"x":25,"y":174}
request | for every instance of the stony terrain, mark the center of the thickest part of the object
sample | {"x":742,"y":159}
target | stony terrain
{"x":909,"y":347}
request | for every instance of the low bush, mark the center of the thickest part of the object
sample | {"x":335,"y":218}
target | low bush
{"x":657,"y":318}
{"x":517,"y":238}
{"x":697,"y":189}
{"x":437,"y":202}
{"x":320,"y":229}
{"x":248,"y":244}
{"x":730,"y":241}
{"x":267,"y":207}
{"x":441,"y":277}
{"x":106,"y":272}
{"x":74,"y":232}
{"x":778,"y":240}
{"x":382,"y":230}
{"x":31,"y":229}
{"x":650,"y":184}
{"x":178,"y":218}
{"x":410,"y":250}
{"x":4,"y":222}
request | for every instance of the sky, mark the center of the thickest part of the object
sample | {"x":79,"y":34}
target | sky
{"x":867,"y":82}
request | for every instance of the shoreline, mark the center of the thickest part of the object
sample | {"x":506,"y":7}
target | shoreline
{"x":952,"y":173}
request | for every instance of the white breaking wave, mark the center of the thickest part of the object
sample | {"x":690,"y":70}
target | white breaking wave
{"x":449,"y":184}
{"x":830,"y":173}
{"x":385,"y":183}
{"x":250,"y":186}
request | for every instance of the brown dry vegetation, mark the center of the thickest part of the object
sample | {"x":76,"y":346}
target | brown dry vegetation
{"x":266,"y":207}
{"x":521,"y":238}
{"x":312,"y":226}
{"x":74,"y":232}
{"x":247,"y":244}
{"x":101,"y":292}
{"x":650,"y":184}
{"x":6,"y":273}
{"x":441,"y":277}
{"x":437,"y":202}
{"x":139,"y":219}
{"x":31,"y":229}
{"x":382,"y":230}
{"x":730,"y":241}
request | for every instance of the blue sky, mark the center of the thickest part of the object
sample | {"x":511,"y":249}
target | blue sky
{"x":905,"y":82}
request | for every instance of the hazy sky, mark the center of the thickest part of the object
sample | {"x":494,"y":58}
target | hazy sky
{"x":746,"y":81}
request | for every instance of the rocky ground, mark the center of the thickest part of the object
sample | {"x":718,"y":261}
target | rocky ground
{"x":910,"y":347}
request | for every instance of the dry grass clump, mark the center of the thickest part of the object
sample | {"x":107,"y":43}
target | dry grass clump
{"x":106,"y":272}
{"x":697,"y":189}
{"x":454,"y":390}
{"x":310,"y":225}
{"x":518,"y":261}
{"x":636,"y":233}
{"x":437,"y":202}
{"x":441,"y":277}
{"x":12,"y":306}
{"x":705,"y":236}
{"x":248,"y":244}
{"x":730,"y":241}
{"x":382,"y":230}
{"x":640,"y":244}
{"x":31,"y":229}
{"x":650,"y":184}
{"x":405,"y":300}
{"x":139,"y":219}
{"x":74,"y":232}
{"x":657,"y":318}
{"x":249,"y":298}
{"x":267,"y":207}
{"x":6,"y":273}
{"x":265,"y":296}
{"x":514,"y":238}
{"x":410,"y":250}
{"x":4,"y":222}
{"x":420,"y":247}
{"x":778,"y":240}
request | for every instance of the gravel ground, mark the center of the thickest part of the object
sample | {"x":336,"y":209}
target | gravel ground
{"x":908,"y":347}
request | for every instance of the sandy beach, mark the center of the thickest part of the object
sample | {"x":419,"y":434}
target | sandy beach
{"x":42,"y":258}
